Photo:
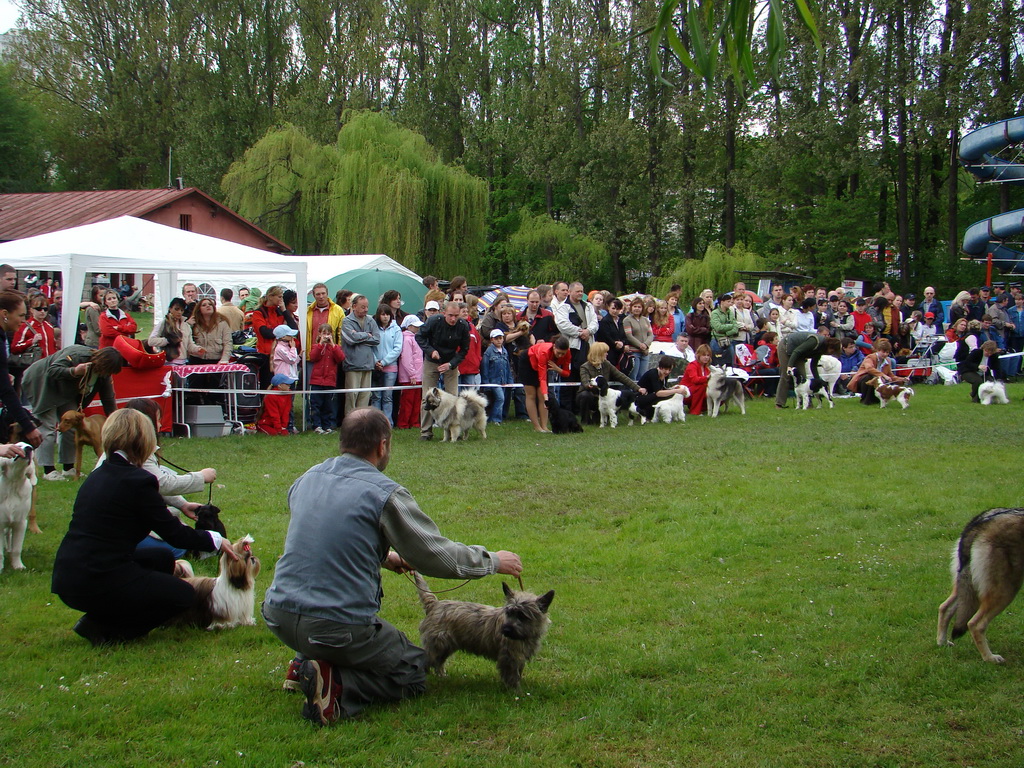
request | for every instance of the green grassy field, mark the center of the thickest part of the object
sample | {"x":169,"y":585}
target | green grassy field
{"x":748,"y":591}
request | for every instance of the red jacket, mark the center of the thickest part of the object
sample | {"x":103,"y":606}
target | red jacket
{"x":471,"y":362}
{"x":24,"y":338}
{"x":268,"y":318}
{"x":664,"y":332}
{"x":110,"y":328}
{"x":540,"y":355}
{"x":325,"y":360}
{"x":277,"y":407}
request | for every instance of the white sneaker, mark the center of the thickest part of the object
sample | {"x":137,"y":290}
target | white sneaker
{"x":55,"y":474}
{"x":69,"y":473}
{"x":318,"y":430}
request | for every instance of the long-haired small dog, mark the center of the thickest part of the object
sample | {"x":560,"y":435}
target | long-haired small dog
{"x":887,"y":392}
{"x":17,"y":484}
{"x":510,"y":635}
{"x":987,"y":569}
{"x":457,"y":414}
{"x":562,"y":420}
{"x":225,"y":601}
{"x":992,"y":392}
{"x":88,"y":431}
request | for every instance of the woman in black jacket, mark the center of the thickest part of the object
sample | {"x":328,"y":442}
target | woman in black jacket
{"x":610,"y":331}
{"x":124,"y":594}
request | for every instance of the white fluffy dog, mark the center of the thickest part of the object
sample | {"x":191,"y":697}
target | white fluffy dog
{"x":829,"y":369}
{"x":671,"y":409}
{"x":993,"y":392}
{"x":17,"y":479}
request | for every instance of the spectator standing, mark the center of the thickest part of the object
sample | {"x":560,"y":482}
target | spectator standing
{"x":326,"y":355}
{"x":577,"y":321}
{"x":360,"y":338}
{"x":209,"y":340}
{"x":724,"y":329}
{"x":611,"y":332}
{"x":92,"y":317}
{"x":933,"y":305}
{"x":286,"y":356}
{"x":698,"y":323}
{"x":190,"y":293}
{"x":55,"y":308}
{"x":170,"y":333}
{"x":33,"y":341}
{"x":774,"y":302}
{"x":445,"y":342}
{"x":232,"y":315}
{"x":385,"y":355}
{"x":114,"y":321}
{"x":639,"y":337}
{"x":410,"y":373}
{"x":496,"y":372}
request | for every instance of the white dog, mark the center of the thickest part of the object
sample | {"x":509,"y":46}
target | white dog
{"x":611,"y":401}
{"x":671,"y":409}
{"x":829,"y":369}
{"x":228,"y":600}
{"x":901,"y":393}
{"x":992,"y":391}
{"x":17,"y":480}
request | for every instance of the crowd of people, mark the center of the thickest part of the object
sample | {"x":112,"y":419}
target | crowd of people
{"x":519,"y":356}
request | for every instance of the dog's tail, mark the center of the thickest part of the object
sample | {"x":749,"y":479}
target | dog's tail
{"x":427,"y":597}
{"x":474,"y":396}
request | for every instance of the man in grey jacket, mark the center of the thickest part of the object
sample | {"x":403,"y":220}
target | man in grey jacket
{"x":347,"y":520}
{"x":359,"y":336}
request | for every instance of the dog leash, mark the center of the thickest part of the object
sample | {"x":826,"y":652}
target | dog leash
{"x":165,"y":460}
{"x":451,"y":589}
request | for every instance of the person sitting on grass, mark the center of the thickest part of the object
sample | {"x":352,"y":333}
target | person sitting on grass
{"x":850,"y":359}
{"x":277,"y":406}
{"x":695,"y":379}
{"x":98,"y":570}
{"x":981,"y":365}
{"x":597,"y":365}
{"x":654,"y":386}
{"x":874,"y":367}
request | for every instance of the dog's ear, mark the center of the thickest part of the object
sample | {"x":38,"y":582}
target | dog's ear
{"x":544,"y":601}
{"x":508,"y":592}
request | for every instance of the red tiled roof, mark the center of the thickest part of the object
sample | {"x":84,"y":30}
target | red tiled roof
{"x":36,"y":213}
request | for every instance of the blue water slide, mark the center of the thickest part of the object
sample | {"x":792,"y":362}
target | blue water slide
{"x":976,"y":154}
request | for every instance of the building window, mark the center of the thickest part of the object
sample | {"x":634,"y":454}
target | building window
{"x":185,"y":221}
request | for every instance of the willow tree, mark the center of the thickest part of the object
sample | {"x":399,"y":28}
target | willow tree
{"x":379,"y":189}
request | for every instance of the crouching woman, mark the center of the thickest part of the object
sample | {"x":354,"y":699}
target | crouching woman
{"x":124,"y":593}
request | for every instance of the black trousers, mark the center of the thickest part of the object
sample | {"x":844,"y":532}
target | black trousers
{"x":152,"y":597}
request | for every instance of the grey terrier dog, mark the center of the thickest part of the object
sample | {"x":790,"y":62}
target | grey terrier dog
{"x":509,"y":635}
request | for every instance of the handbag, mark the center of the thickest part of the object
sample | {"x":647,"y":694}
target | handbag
{"x":24,"y":359}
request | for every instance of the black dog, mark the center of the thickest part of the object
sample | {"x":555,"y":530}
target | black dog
{"x":208,"y":519}
{"x":562,"y":420}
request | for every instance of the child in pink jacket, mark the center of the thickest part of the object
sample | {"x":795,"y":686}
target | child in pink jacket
{"x":410,"y":371}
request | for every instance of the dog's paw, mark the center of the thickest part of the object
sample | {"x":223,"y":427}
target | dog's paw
{"x":995,"y":658}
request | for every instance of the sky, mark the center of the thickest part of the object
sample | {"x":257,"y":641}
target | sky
{"x":8,"y":15}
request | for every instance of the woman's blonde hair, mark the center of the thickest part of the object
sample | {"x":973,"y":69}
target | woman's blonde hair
{"x":272,"y":292}
{"x":132,"y":432}
{"x":108,"y":292}
{"x":598,"y":352}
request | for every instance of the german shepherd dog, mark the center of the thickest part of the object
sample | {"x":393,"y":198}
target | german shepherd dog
{"x":987,"y":568}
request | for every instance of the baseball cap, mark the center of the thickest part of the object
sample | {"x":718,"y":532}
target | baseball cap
{"x":283,"y":330}
{"x":929,"y":314}
{"x":986,"y":288}
{"x":412,"y":320}
{"x":280,"y":378}
{"x":433,"y":305}
{"x":497,"y":332}
{"x":912,"y":296}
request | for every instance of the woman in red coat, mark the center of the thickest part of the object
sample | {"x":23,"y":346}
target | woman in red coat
{"x":534,"y":365}
{"x":114,"y":322}
{"x":696,"y":376}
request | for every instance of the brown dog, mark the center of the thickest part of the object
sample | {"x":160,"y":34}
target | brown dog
{"x":88,"y":431}
{"x":228,"y":600}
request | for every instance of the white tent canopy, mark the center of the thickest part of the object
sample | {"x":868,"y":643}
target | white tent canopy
{"x":128,"y":244}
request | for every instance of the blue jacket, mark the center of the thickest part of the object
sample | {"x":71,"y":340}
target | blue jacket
{"x":495,"y":367}
{"x":852,"y":362}
{"x":1017,"y":318}
{"x":390,"y":346}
